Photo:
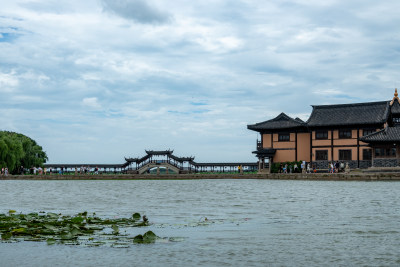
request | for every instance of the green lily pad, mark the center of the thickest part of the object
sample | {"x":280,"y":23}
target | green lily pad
{"x":6,"y":236}
{"x":50,"y":227}
{"x":115,"y":229}
{"x":78,"y":219}
{"x":52,"y":215}
{"x":147,"y":238}
{"x":136,"y":216}
{"x":67,"y":236}
{"x":80,"y":229}
{"x":50,"y":241}
{"x":18,"y":231}
{"x":75,"y":232}
{"x":84,"y":214}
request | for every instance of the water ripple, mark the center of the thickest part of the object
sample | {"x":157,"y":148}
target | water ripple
{"x":252,"y":222}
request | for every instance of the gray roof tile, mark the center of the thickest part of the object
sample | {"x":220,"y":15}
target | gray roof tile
{"x":387,"y":135}
{"x":281,"y":122}
{"x":349,"y":114}
{"x":395,"y":108}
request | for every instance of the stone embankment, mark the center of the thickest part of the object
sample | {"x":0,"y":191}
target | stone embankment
{"x":353,"y":176}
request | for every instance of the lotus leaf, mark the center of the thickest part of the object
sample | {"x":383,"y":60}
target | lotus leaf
{"x":50,"y":227}
{"x":52,"y":215}
{"x":115,"y":229}
{"x":80,"y":229}
{"x":67,"y":236}
{"x":138,"y":239}
{"x":147,"y":238}
{"x":75,"y":232}
{"x":50,"y":241}
{"x":6,"y":236}
{"x":18,"y":231}
{"x":136,"y":216}
{"x":84,"y":214}
{"x":77,"y":219}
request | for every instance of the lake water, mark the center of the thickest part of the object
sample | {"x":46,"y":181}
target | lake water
{"x":253,"y":222}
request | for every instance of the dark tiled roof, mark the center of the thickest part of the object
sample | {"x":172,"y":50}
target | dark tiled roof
{"x":387,"y":135}
{"x":395,"y":108}
{"x":349,"y":114}
{"x":181,"y":159}
{"x":159,"y":153}
{"x":269,"y":152}
{"x":282,"y":121}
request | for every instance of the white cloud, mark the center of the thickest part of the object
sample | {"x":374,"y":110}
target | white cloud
{"x":328,"y":92}
{"x":8,"y":82}
{"x":104,"y":74}
{"x":91,"y":102}
{"x":223,"y":44}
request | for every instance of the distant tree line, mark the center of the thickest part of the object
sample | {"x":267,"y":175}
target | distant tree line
{"x":18,"y":150}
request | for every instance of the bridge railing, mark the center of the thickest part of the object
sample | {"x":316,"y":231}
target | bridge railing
{"x":157,"y":162}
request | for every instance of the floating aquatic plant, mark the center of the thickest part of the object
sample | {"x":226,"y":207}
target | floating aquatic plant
{"x":81,"y":229}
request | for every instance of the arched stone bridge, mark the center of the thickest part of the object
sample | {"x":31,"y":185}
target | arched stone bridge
{"x":151,"y":165}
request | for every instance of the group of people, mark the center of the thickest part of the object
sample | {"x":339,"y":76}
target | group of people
{"x":4,"y":171}
{"x":304,"y":168}
{"x":36,"y":170}
{"x":85,"y":170}
{"x":44,"y":171}
{"x":335,"y":167}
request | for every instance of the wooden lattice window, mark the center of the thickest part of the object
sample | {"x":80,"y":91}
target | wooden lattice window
{"x":284,"y":137}
{"x":344,"y":134}
{"x":345,"y":154}
{"x":321,"y":155}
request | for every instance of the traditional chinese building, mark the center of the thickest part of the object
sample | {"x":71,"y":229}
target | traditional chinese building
{"x":360,"y":134}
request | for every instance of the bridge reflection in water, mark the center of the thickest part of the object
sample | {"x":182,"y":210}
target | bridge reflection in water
{"x":150,"y":162}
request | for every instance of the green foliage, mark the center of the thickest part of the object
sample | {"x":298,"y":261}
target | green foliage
{"x":81,"y":229}
{"x":19,"y":150}
{"x":136,"y":216}
{"x":275,"y":166}
{"x":148,"y":238}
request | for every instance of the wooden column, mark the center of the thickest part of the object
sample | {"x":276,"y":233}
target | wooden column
{"x":358,"y":148}
{"x":332,"y":145}
{"x":311,"y":147}
{"x":269,"y":164}
{"x":295,"y":139}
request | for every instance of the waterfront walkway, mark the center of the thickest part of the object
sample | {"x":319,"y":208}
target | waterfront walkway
{"x":354,"y":176}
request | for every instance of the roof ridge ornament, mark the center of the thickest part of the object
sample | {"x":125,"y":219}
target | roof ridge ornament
{"x":396,"y":97}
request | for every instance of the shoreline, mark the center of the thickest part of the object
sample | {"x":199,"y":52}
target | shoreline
{"x":355,"y":176}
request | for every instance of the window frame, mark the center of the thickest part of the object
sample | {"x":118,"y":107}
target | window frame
{"x":342,"y":134}
{"x":385,"y":152}
{"x":318,"y":154}
{"x":342,"y":157}
{"x":365,"y":155}
{"x":368,"y":131}
{"x":324,"y":135}
{"x":283,"y":137}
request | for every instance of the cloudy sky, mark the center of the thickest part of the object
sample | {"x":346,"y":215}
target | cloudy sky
{"x":96,"y":80}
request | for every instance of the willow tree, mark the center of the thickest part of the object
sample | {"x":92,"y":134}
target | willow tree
{"x":19,"y":150}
